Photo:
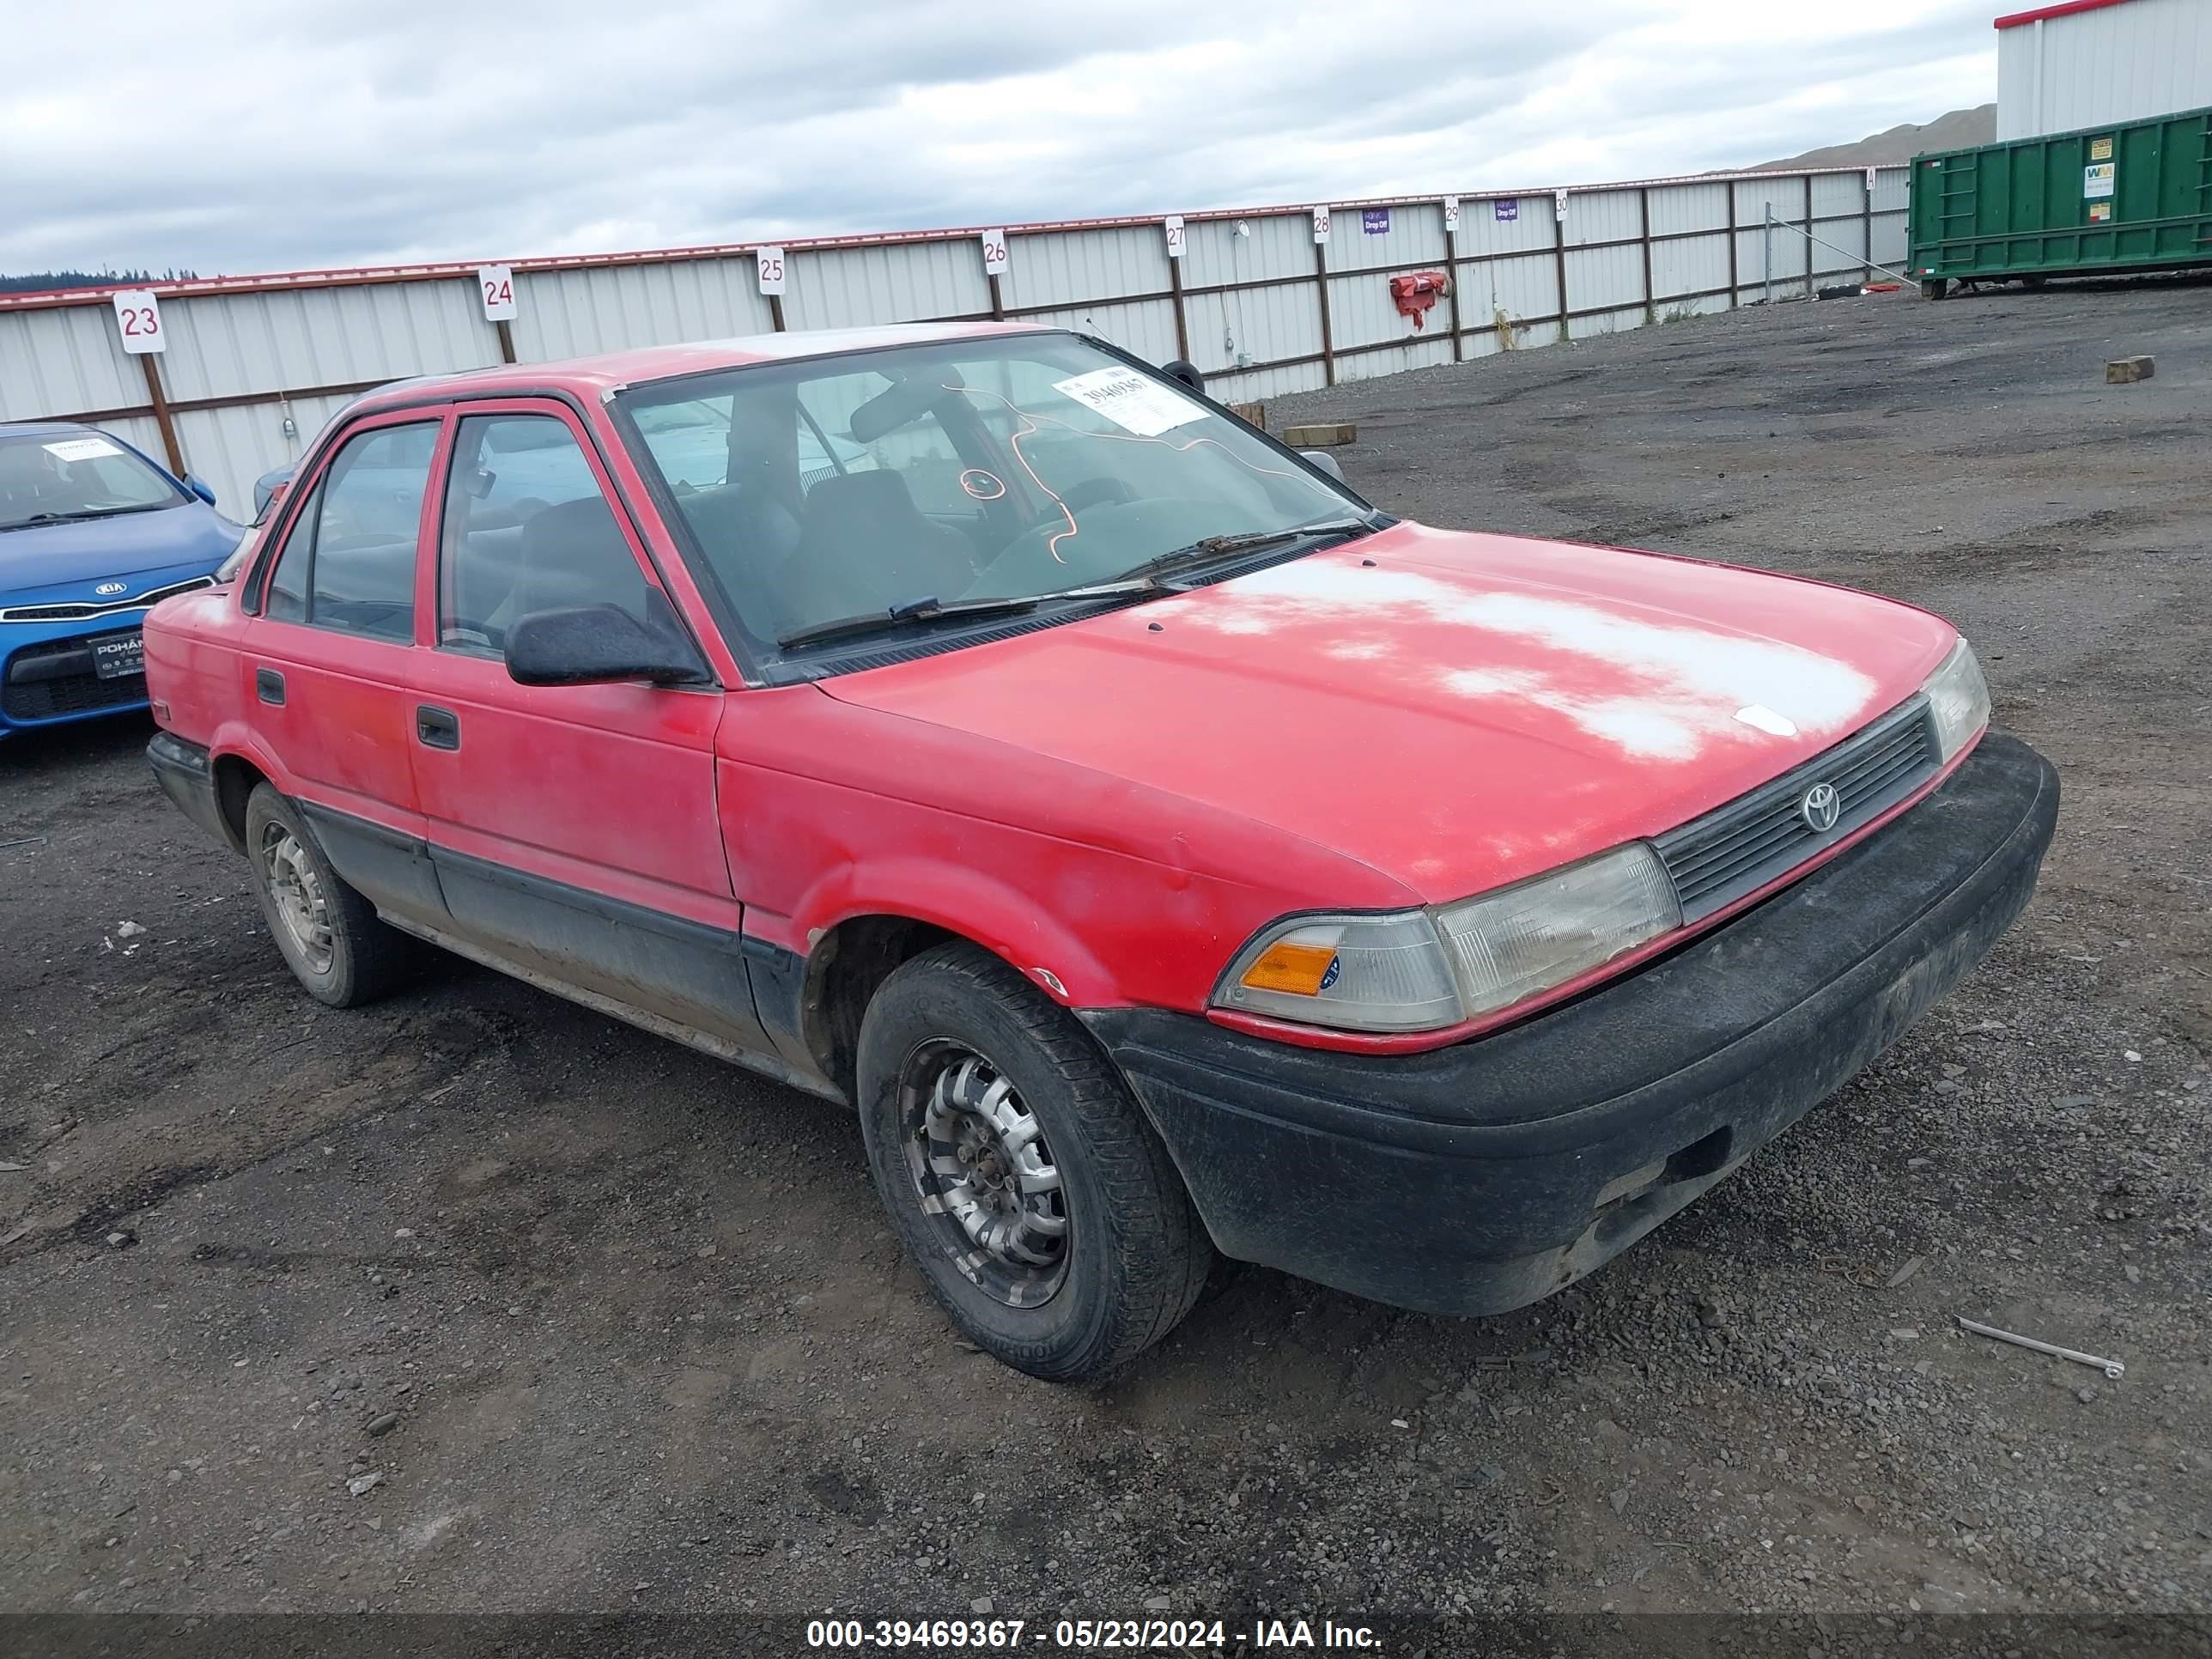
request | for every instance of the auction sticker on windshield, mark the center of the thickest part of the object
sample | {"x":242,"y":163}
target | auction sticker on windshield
{"x":80,"y":449}
{"x":1130,"y":400}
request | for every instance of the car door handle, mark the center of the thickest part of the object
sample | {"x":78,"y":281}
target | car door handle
{"x":269,"y":685}
{"x":438,"y":728}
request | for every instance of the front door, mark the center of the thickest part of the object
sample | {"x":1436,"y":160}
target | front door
{"x":329,"y":659}
{"x":573,"y":828}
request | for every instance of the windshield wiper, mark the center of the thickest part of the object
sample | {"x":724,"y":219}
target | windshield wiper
{"x":78,"y":516}
{"x":912,"y":611}
{"x":1222,"y":547}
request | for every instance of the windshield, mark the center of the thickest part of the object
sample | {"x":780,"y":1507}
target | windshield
{"x":54,"y":477}
{"x":996,"y":468}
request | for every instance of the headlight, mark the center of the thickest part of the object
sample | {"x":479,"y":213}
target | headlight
{"x":1959,"y":697}
{"x":1422,"y":969}
{"x":1511,"y":944}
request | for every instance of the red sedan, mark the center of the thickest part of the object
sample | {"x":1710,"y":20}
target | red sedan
{"x":1165,"y":852}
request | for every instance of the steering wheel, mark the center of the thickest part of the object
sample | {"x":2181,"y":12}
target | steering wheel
{"x":1096,"y":492}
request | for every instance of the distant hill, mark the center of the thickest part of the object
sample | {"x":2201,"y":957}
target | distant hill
{"x":1957,"y":131}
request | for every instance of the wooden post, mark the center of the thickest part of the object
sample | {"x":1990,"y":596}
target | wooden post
{"x":775,"y":312}
{"x":1733,"y":283}
{"x":1650,"y":299}
{"x":1867,"y":249}
{"x":1809,"y":243}
{"x":1174,"y":288}
{"x":997,"y":297}
{"x":161,"y":416}
{"x":1327,"y":344}
{"x":506,"y":340}
{"x":1560,"y":265}
{"x":1451,"y":275}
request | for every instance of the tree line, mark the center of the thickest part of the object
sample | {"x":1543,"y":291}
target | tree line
{"x":35,"y":282}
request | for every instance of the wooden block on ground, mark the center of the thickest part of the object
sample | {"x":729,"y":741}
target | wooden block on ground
{"x":2126,"y":370}
{"x":1251,"y":414}
{"x":1321,"y":437}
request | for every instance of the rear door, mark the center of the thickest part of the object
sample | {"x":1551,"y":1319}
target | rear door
{"x":573,"y":827}
{"x":328,"y":663}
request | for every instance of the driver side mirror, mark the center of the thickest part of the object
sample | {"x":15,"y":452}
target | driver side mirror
{"x":200,"y":487}
{"x":598,"y":644}
{"x":1324,"y":460}
{"x":1186,"y":371}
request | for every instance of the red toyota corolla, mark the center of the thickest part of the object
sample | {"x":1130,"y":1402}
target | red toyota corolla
{"x":1165,"y":852}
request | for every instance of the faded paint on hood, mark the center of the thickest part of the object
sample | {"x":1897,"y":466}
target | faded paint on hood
{"x":1464,"y":711}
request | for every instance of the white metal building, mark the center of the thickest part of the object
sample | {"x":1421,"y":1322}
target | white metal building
{"x":2096,"y":63}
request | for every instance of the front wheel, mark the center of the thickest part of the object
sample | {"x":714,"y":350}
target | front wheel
{"x":1019,"y":1174}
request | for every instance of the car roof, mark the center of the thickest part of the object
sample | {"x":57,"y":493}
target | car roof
{"x":595,"y":376}
{"x":40,"y":428}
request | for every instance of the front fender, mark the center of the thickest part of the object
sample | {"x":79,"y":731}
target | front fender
{"x":962,"y":900}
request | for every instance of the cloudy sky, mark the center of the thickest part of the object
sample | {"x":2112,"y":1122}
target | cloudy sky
{"x":239,"y":136}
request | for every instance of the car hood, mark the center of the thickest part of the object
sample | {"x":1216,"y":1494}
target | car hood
{"x":1455,"y":710}
{"x":51,"y":562}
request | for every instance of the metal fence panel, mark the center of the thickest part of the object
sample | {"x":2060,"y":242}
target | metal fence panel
{"x":1144,"y":328}
{"x":1271,"y":244}
{"x":1526,"y":286}
{"x":1679,"y":208}
{"x":61,"y":362}
{"x":1694,"y":265}
{"x":1073,"y":267}
{"x":904,"y":283}
{"x":1837,"y":193}
{"x":1414,"y":237}
{"x":1395,"y":360}
{"x":1603,"y":216}
{"x":1604,"y":276}
{"x":1890,"y":237}
{"x":237,"y":346}
{"x":1255,"y":325}
{"x":1481,"y":231}
{"x":571,"y":313}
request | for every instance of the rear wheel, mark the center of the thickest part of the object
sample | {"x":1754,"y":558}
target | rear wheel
{"x":1935,"y":288}
{"x":1019,"y":1174}
{"x":332,"y":938}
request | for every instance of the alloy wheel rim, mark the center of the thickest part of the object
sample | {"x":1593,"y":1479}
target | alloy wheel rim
{"x":302,"y":909}
{"x":983,"y":1174}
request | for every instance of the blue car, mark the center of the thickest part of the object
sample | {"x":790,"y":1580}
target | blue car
{"x":91,"y":534}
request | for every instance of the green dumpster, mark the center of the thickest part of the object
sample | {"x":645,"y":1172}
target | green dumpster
{"x":2132,"y":197}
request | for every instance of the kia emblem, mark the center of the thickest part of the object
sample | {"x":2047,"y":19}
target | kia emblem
{"x":109,"y":590}
{"x":1821,"y":808}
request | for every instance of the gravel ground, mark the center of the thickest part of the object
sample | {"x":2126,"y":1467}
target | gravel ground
{"x":590,"y":1321}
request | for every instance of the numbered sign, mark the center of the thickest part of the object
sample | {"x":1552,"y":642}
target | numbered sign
{"x":994,"y":252}
{"x":1871,"y":172}
{"x":769,"y":260}
{"x":1173,"y":223}
{"x":1321,"y":224}
{"x":1451,"y":215}
{"x":496,"y":287}
{"x":1559,"y":205}
{"x":138,"y":315}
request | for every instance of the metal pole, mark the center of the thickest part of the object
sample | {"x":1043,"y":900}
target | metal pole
{"x":161,"y":417}
{"x":1767,"y":254}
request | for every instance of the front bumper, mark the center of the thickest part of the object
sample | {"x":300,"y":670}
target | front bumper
{"x":47,"y":677}
{"x":1483,"y":1177}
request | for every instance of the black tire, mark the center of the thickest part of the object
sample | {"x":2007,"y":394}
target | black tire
{"x":367,"y":956}
{"x":1134,"y":1255}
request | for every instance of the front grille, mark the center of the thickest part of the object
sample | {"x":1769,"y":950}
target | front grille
{"x":48,"y":699}
{"x":87,"y":609}
{"x":1737,"y":848}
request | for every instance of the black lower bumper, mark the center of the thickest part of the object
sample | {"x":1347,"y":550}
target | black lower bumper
{"x":1479,"y":1177}
{"x":188,"y":779}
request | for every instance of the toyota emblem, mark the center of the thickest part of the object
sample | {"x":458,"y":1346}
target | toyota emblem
{"x":107,"y":590}
{"x":1821,"y":808}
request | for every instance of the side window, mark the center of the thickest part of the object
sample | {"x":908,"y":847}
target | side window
{"x":526,"y":529}
{"x":348,"y":562}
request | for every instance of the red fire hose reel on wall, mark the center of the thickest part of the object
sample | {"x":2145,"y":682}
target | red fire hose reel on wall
{"x":1414,"y":293}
